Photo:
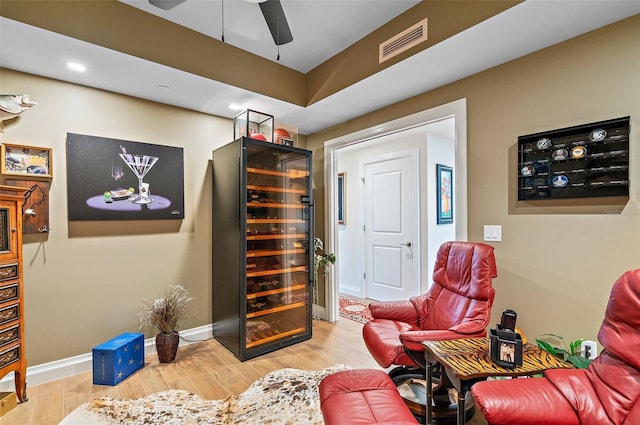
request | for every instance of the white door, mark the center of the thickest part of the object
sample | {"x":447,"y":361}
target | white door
{"x":390,"y":206}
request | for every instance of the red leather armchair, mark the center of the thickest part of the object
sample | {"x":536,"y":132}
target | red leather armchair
{"x":608,"y":392}
{"x":458,"y":305}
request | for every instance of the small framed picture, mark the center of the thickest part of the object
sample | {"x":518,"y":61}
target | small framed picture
{"x":19,"y":160}
{"x":507,"y":352}
{"x":444,"y":179}
{"x":342,"y":182}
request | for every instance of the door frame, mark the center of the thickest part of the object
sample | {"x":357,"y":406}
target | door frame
{"x":456,"y":109}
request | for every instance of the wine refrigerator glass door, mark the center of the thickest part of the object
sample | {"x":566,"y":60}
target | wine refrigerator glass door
{"x":278,"y":263}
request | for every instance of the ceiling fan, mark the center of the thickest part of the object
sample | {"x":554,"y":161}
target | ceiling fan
{"x":271,"y":10}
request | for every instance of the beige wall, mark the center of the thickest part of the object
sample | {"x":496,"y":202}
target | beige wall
{"x":85,"y":280}
{"x":556,"y":269}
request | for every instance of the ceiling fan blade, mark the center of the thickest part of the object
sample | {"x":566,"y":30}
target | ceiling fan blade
{"x":276,"y":21}
{"x":166,"y":4}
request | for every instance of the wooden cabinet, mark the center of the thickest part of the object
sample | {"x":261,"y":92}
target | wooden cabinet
{"x":262,"y":239}
{"x":12,"y":350}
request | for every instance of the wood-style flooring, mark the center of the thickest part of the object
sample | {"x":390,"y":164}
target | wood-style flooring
{"x":204,"y":368}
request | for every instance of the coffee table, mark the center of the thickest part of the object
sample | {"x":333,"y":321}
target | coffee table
{"x":466,"y":361}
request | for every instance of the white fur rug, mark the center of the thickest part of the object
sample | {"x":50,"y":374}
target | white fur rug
{"x":282,"y":397}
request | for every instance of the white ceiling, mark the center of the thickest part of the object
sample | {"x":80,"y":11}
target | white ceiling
{"x":321,"y":28}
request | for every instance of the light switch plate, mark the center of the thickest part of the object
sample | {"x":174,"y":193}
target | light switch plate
{"x":493,"y":233}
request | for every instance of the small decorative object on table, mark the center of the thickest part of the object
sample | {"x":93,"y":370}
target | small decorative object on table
{"x":253,"y":124}
{"x":166,"y":315}
{"x":505,"y":348}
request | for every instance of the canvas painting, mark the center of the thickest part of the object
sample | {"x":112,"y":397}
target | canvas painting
{"x":112,"y":179}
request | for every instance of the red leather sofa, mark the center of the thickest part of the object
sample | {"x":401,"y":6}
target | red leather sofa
{"x":362,"y":397}
{"x":608,"y":392}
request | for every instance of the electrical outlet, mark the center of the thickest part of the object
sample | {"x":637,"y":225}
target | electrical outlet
{"x":589,"y":349}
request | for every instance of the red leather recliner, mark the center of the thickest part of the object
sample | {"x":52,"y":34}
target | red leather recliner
{"x":458,"y":305}
{"x":608,"y":392}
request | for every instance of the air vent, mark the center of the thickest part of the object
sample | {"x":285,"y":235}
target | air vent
{"x":402,"y":42}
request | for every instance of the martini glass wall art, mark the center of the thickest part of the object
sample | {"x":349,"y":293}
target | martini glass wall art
{"x":140,"y":165}
{"x":101,"y":187}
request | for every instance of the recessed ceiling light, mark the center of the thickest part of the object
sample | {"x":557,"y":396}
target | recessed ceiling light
{"x":163,"y":87}
{"x":77,"y":66}
{"x":235,"y":107}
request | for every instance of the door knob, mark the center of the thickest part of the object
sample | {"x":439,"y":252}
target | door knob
{"x":408,"y":244}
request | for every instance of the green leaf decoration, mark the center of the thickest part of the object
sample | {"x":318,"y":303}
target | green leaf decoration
{"x":579,"y":362}
{"x":575,"y":346}
{"x":546,"y":347}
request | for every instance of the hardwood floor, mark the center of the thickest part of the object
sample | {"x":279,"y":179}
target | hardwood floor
{"x":204,"y":368}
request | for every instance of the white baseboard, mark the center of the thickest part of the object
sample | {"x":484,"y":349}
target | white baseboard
{"x":322,"y":312}
{"x":70,"y":366}
{"x":353,"y":290}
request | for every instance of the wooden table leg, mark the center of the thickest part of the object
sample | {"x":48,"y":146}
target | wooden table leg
{"x":462,"y":396}
{"x":429,"y":402}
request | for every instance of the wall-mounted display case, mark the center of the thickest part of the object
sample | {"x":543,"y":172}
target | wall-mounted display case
{"x":590,"y":160}
{"x":262,"y":240}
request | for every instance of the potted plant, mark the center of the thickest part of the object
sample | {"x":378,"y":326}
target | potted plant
{"x":165,"y":316}
{"x":322,"y":260}
{"x":569,"y":353}
{"x":321,"y":263}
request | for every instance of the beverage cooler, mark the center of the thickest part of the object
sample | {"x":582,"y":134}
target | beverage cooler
{"x":262,"y":246}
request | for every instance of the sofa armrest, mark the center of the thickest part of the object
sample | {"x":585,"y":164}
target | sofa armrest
{"x":399,"y":311}
{"x":469,"y":329}
{"x":413,"y":339}
{"x":523,"y":401}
